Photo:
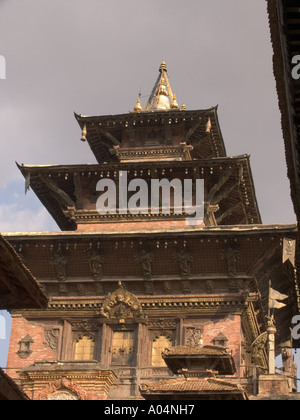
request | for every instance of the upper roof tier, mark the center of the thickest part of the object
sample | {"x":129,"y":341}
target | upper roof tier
{"x":161,"y":130}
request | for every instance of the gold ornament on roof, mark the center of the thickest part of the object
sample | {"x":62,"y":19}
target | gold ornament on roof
{"x":163,"y":66}
{"x":162,"y":90}
{"x":174,"y":104}
{"x":208,"y":126}
{"x":84,"y":133}
{"x":138,"y":107}
{"x":162,"y":97}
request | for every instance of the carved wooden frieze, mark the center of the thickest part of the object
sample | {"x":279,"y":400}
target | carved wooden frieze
{"x":84,"y":325}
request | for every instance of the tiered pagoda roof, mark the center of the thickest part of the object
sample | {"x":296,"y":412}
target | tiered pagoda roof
{"x":159,"y":141}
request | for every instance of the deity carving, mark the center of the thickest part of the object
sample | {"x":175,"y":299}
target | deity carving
{"x":145,"y":257}
{"x":184,"y":257}
{"x":60,"y":260}
{"x":232,"y":254}
{"x":95,"y":261}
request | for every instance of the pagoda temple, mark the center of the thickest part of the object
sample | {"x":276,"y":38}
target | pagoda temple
{"x":132,"y":273}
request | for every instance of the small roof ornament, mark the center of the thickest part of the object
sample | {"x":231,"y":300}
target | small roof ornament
{"x":174,"y":104}
{"x":138,"y":107}
{"x":84,"y":133}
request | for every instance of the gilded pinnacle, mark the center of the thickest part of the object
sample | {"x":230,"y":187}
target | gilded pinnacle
{"x":162,"y":98}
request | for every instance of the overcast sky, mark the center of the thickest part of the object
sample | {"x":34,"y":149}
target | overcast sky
{"x":94,"y":56}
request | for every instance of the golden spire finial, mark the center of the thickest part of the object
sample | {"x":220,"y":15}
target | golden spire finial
{"x":138,"y":107}
{"x":183,"y":108}
{"x":163,"y":66}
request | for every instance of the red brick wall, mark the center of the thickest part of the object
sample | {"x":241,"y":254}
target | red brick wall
{"x":231,"y":328}
{"x":20,"y":328}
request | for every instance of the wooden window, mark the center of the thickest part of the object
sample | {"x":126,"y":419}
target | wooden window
{"x":122,"y":348}
{"x":158,"y":346}
{"x":85,"y":349}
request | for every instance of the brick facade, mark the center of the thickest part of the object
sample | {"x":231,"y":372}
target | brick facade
{"x":20,"y":329}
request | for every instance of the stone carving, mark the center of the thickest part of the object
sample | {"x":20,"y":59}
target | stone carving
{"x":121,"y":305}
{"x":60,"y":260}
{"x":25,"y":347}
{"x":51,"y":337}
{"x":192,"y":336}
{"x":95,"y":261}
{"x":145,"y":257}
{"x":62,"y":396}
{"x":184,"y":257}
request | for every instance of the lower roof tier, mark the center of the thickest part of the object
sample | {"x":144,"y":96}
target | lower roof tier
{"x":71,"y":193}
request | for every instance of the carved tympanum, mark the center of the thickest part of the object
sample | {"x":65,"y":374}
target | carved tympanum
{"x":121,"y":305}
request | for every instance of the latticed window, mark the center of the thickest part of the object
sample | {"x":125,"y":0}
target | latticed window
{"x":85,"y":349}
{"x":158,"y":346}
